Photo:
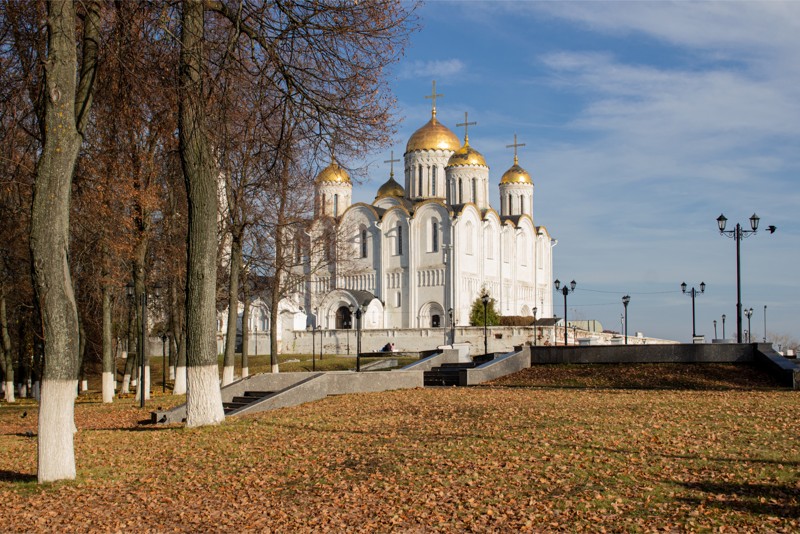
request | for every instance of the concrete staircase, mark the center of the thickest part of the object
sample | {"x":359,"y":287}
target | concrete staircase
{"x":448,"y":374}
{"x":240,"y":402}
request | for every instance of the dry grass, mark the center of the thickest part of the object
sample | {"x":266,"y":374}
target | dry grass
{"x":437,"y":459}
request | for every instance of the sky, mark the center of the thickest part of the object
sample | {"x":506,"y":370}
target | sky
{"x":643,"y":122}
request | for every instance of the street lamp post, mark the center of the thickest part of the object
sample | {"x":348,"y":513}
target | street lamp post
{"x":693,"y":293}
{"x":765,"y":323}
{"x":164,"y":338}
{"x":348,"y":326}
{"x":723,"y":326}
{"x":739,"y":233}
{"x":142,"y":336}
{"x":715,"y":329}
{"x":358,"y":338}
{"x":535,"y":309}
{"x":625,"y":300}
{"x":452,"y":327}
{"x":749,"y":313}
{"x":485,"y":300}
{"x":566,"y":290}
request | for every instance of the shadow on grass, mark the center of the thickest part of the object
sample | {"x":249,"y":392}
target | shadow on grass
{"x":13,"y":476}
{"x":763,"y":499}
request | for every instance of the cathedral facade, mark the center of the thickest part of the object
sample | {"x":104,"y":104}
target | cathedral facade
{"x":421,"y":253}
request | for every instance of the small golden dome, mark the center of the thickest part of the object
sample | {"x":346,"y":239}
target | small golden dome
{"x":391,"y":189}
{"x":433,"y":136}
{"x":466,"y":155}
{"x":333,"y":173}
{"x":516,"y":175}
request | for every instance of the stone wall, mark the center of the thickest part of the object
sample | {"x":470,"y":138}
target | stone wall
{"x":501,"y":339}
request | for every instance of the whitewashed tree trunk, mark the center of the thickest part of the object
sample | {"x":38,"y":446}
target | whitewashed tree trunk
{"x":109,"y":361}
{"x":84,"y":386}
{"x":126,"y":384}
{"x":108,"y":387}
{"x":275,"y":368}
{"x":227,"y":375}
{"x":10,"y":391}
{"x":245,"y":372}
{"x":56,"y":428}
{"x":203,"y":399}
{"x":180,"y":381}
{"x":147,"y":387}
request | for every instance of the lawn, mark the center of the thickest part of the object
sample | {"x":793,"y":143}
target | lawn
{"x":533,"y":457}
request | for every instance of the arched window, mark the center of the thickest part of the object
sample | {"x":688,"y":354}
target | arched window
{"x":508,"y":206}
{"x":434,"y":235}
{"x":419,"y":190}
{"x":460,"y":191}
{"x":433,"y":181}
{"x":335,"y":205}
{"x":475,"y":190}
{"x":363,"y":242}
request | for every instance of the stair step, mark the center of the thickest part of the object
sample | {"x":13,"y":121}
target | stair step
{"x":245,"y":400}
{"x":258,"y":394}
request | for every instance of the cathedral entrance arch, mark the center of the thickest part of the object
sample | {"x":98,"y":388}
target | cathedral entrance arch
{"x":343,"y":318}
{"x":430,"y":315}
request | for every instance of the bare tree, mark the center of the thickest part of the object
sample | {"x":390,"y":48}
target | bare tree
{"x":67,"y":101}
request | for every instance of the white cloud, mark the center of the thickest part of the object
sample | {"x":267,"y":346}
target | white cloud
{"x":433,"y":69}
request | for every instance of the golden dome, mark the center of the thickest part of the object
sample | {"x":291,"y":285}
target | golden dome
{"x":466,"y":155}
{"x":516,"y":175}
{"x":433,"y":136}
{"x":333,"y":174}
{"x":391,"y":189}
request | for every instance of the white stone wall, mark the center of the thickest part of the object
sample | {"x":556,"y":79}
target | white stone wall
{"x":501,"y":339}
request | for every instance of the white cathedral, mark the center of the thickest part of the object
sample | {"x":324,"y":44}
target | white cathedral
{"x":421,"y":253}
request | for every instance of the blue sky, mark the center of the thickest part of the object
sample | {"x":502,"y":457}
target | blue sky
{"x":643,"y":122}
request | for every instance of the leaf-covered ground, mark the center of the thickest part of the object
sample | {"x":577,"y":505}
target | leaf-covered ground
{"x":436,"y":459}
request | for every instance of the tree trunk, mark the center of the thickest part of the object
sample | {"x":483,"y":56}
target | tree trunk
{"x":82,"y":355}
{"x":130,"y":360}
{"x":273,"y":331}
{"x":139,"y":291}
{"x":109,"y":367}
{"x":180,"y":369}
{"x":203,"y":397}
{"x":245,"y":326}
{"x":233,"y":309}
{"x":7,"y":361}
{"x":49,"y":237}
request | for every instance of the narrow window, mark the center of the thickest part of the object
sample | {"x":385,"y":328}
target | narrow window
{"x":510,"y":212}
{"x":475,"y":190}
{"x":363,"y":242}
{"x":460,"y":191}
{"x":335,"y":205}
{"x":399,"y":239}
{"x":434,"y":236}
{"x":433,"y":181}
{"x":419,"y":181}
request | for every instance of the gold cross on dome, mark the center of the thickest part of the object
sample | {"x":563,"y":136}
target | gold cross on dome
{"x":466,"y":124}
{"x":515,"y":145}
{"x":433,"y":96}
{"x":391,"y":162}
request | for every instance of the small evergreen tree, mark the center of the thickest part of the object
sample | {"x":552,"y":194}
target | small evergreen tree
{"x":476,"y":312}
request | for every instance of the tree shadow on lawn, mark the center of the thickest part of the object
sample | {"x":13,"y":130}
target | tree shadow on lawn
{"x":763,"y":499}
{"x":13,"y":476}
